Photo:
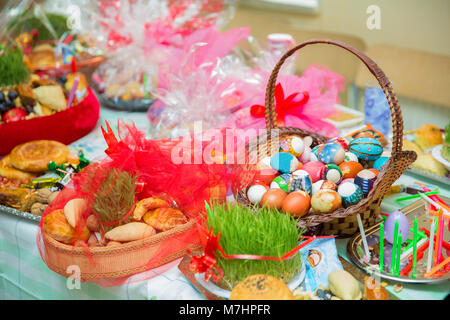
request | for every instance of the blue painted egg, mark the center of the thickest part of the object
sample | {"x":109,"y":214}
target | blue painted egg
{"x":350,"y":194}
{"x":331,"y":153}
{"x":301,"y":180}
{"x":380,"y":162}
{"x":366,"y":148}
{"x":284,"y":162}
{"x":332,"y":173}
{"x":341,"y":141}
{"x":365,"y":180}
{"x":281,"y":182}
{"x":314,"y":155}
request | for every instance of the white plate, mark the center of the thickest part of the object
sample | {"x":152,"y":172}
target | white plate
{"x":211,"y":287}
{"x":437,"y":154}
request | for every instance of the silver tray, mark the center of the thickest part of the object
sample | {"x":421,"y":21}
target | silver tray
{"x":355,"y":247}
{"x":15,"y":212}
{"x":137,"y":105}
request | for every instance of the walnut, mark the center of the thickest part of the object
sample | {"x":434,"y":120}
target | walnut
{"x":38,"y":208}
{"x":43,"y":195}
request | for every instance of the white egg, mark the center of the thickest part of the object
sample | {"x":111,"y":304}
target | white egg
{"x":256,"y":192}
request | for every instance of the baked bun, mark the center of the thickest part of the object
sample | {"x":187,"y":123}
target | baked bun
{"x":51,"y":96}
{"x":428,"y":163}
{"x":42,"y":58}
{"x":411,"y":146}
{"x":34,"y":156}
{"x":9,"y":172}
{"x":261,"y":287}
{"x":428,"y":136}
{"x":164,"y":219}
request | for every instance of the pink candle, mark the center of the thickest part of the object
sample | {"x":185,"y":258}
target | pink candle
{"x":440,"y":237}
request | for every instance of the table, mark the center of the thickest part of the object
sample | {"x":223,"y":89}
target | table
{"x":23,"y":274}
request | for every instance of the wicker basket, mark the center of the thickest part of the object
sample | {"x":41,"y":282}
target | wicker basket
{"x":113,"y":262}
{"x":341,"y":222}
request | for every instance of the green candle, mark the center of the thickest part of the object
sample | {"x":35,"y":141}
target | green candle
{"x":145,"y":80}
{"x":414,"y":262}
{"x":382,"y":247}
{"x":399,"y":253}
{"x":394,"y":248}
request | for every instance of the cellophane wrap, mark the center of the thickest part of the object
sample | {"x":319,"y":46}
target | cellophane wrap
{"x":169,"y":169}
{"x":139,"y":37}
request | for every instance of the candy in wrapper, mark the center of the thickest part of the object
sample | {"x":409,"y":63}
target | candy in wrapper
{"x":40,"y":183}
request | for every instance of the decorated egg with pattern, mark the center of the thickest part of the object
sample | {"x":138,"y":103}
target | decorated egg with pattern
{"x":341,"y":141}
{"x":331,"y":153}
{"x":331,"y":172}
{"x":281,"y":182}
{"x":366,"y":148}
{"x":284,"y":162}
{"x":380,"y":162}
{"x":314,"y":155}
{"x":314,"y":168}
{"x":301,"y":181}
{"x":350,"y":157}
{"x":293,"y":145}
{"x":322,"y":185}
{"x":326,"y":201}
{"x":365,"y":180}
{"x":350,"y":169}
{"x":350,"y":194}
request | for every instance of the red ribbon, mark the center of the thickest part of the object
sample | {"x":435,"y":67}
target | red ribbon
{"x":206,"y":262}
{"x":283,"y":106}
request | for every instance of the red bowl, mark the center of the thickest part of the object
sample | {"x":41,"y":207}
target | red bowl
{"x":65,"y":126}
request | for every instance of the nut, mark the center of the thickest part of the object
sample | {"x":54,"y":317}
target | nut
{"x":38,"y":208}
{"x":43,"y":195}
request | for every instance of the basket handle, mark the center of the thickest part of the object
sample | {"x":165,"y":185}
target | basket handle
{"x":396,"y":114}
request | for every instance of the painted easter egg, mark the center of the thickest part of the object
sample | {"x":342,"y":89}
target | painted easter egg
{"x":366,"y":148}
{"x":281,"y":182}
{"x":314,"y":168}
{"x":331,"y":172}
{"x":301,"y":181}
{"x":284,"y":162}
{"x":389,"y":226}
{"x":273,"y":198}
{"x":293,"y":145}
{"x":350,"y":194}
{"x":256,"y":192}
{"x":380,"y":162}
{"x":365,"y":180}
{"x":314,"y":153}
{"x":350,"y":169}
{"x":326,"y":201}
{"x":297,"y":203}
{"x":322,"y":185}
{"x":331,"y":153}
{"x":349,"y":156}
{"x":352,"y":180}
{"x":341,"y":141}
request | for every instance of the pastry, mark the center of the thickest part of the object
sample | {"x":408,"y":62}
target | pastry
{"x":51,"y":96}
{"x":26,"y":94}
{"x":164,"y":219}
{"x":42,"y":58}
{"x":428,"y":163}
{"x":34,"y":156}
{"x":146,"y":205}
{"x":8,"y":171}
{"x":411,"y":146}
{"x":130,"y":232}
{"x":57,"y":227}
{"x":344,"y":286}
{"x":261,"y":287}
{"x":428,"y":136}
{"x":18,"y":198}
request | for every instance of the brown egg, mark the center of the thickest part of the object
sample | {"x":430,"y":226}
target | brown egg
{"x":297,"y":203}
{"x":350,"y":169}
{"x":326,"y":201}
{"x":273,"y":198}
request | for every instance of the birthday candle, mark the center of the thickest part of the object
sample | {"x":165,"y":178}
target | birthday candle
{"x":145,"y":82}
{"x":394,"y":248}
{"x":382,"y":247}
{"x":363,"y":236}
{"x":440,"y":237}
{"x":430,"y":247}
{"x":436,"y":245}
{"x":399,"y":253}
{"x":72,"y":92}
{"x":414,"y":265}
